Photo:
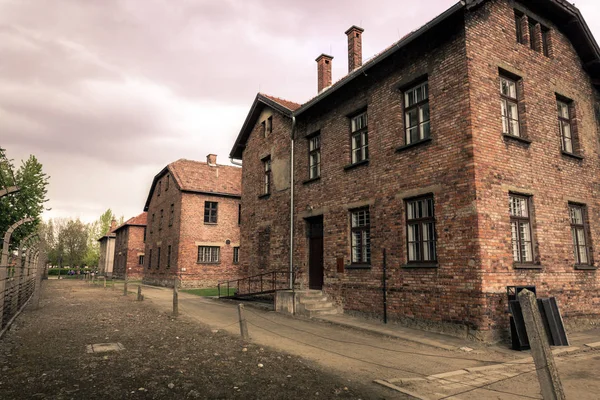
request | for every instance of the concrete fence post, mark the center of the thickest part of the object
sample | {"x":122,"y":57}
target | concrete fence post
{"x":540,"y":348}
{"x":243,"y":324}
{"x":140,"y":296}
{"x":175,"y":297}
{"x":4,"y":261}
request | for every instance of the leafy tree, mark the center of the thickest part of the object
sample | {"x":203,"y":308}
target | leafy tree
{"x":28,"y":202}
{"x":72,"y":243}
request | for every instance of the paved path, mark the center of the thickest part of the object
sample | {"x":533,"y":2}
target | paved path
{"x":355,"y":354}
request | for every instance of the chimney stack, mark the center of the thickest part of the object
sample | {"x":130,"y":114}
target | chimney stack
{"x":323,"y":71}
{"x":354,"y":47}
{"x":113,"y":225}
{"x":211,"y":159}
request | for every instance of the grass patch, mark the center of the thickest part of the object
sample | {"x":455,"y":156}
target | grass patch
{"x":209,"y":291}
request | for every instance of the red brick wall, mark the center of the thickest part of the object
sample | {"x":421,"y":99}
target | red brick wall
{"x":129,"y":245}
{"x":266,"y":213}
{"x":538,"y":169}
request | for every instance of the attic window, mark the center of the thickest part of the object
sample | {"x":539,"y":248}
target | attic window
{"x":268,"y":125}
{"x":531,"y":33}
{"x":167,"y":184}
{"x":159,"y":188}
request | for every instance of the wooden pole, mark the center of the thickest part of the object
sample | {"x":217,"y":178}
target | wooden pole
{"x":175,"y":298}
{"x":540,"y":348}
{"x":243,"y":325}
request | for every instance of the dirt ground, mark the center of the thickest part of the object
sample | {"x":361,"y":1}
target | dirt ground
{"x":43,"y":355}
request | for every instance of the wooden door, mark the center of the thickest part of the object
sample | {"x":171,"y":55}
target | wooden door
{"x":315,"y":249}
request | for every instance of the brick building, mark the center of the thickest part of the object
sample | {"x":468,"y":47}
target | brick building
{"x":193,"y":224}
{"x":107,"y":251}
{"x":129,"y":248}
{"x":467,"y":151}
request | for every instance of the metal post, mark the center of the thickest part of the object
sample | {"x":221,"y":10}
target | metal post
{"x":175,"y":298}
{"x":243,"y":325}
{"x":540,"y":348}
{"x":384,"y":288}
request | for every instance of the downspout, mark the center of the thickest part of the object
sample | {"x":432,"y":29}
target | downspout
{"x":292,"y":205}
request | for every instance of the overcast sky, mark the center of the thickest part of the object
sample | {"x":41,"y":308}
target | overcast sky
{"x":107,"y":92}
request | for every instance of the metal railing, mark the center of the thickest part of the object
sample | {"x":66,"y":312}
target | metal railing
{"x":264,"y":283}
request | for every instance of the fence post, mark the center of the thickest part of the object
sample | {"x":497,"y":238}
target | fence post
{"x":140,"y":297}
{"x":243,"y":325}
{"x":175,"y":298}
{"x":540,"y":348}
{"x":104,"y":277}
{"x":125,"y":286}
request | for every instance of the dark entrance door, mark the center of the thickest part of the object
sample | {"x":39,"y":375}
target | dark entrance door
{"x":315,"y":250}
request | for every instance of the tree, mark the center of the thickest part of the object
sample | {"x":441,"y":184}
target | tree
{"x":72,"y":243}
{"x":28,"y":202}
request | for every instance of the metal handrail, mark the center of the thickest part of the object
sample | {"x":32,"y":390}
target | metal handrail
{"x":263,"y":283}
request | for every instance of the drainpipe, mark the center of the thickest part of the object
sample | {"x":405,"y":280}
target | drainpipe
{"x":292,"y":206}
{"x":231,"y":160}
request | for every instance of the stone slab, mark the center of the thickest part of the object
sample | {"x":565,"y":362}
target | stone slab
{"x":104,"y":347}
{"x":401,"y":390}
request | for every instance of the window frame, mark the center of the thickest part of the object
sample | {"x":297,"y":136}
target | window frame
{"x":172,"y":215}
{"x":583,"y":227}
{"x":152,"y":223}
{"x":236,"y":254}
{"x":159,"y":188}
{"x":362,"y":134}
{"x":504,"y":101}
{"x":267,"y":176}
{"x":212,"y":217}
{"x":416,"y":106}
{"x":141,"y":260}
{"x":364,"y":242}
{"x":570,"y":123}
{"x":518,"y":220}
{"x":167,"y":182}
{"x":150,"y":259}
{"x":210,"y":249}
{"x":519,"y":26}
{"x":314,"y":150}
{"x":160,"y":220}
{"x":158,"y":257}
{"x":168,"y":257}
{"x":420,"y":221}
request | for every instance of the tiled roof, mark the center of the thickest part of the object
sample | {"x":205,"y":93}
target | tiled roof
{"x":198,"y":176}
{"x":290,"y":105}
{"x":139,"y":220}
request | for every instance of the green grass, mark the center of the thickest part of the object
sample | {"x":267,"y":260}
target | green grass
{"x":209,"y":292}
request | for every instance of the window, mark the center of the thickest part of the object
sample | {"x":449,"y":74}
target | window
{"x":239,"y":214}
{"x":141,"y":260}
{"x":269,"y":127}
{"x":210,"y":212}
{"x":160,"y":221}
{"x":519,"y":26}
{"x":158,"y":258}
{"x":169,"y":256}
{"x":420,"y":228}
{"x":236,"y":255}
{"x":172,"y":215}
{"x":167,"y":183}
{"x":314,"y":157}
{"x":416,"y":113}
{"x":359,"y":138}
{"x":152,"y":224}
{"x":565,"y":126}
{"x":510,"y":107}
{"x":577,"y":216}
{"x":546,"y":41}
{"x":361,"y":236}
{"x":208,"y":254}
{"x":150,"y":259}
{"x":533,"y":43}
{"x":144,"y":234}
{"x":159,"y":188}
{"x":520,"y":226}
{"x":267,"y":175}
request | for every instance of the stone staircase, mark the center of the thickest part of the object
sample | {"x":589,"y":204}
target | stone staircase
{"x":311,"y":303}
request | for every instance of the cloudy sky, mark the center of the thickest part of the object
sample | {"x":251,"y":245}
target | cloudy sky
{"x":107,"y":92}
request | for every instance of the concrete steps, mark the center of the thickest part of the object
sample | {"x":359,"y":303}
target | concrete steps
{"x":312,"y":303}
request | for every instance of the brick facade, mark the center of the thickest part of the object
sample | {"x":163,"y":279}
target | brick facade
{"x":129,"y":248}
{"x":179,"y":193}
{"x":466,"y":166}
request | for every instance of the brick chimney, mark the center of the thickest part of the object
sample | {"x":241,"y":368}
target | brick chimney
{"x":211,"y":159}
{"x":323,"y":71}
{"x":354,"y":47}
{"x":113,"y":225}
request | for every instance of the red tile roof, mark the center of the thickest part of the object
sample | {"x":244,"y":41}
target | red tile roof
{"x":139,"y":220}
{"x":198,"y":176}
{"x":290,"y":105}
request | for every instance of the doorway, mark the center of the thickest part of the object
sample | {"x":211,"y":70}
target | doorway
{"x":315,"y":252}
